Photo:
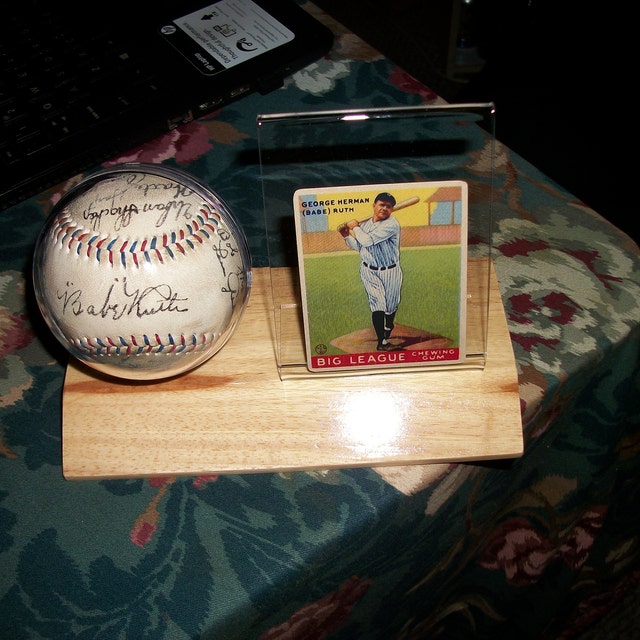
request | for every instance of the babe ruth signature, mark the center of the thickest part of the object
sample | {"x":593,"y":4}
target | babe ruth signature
{"x":123,"y":300}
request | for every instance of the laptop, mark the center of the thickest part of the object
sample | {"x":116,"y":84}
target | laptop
{"x":80,"y":86}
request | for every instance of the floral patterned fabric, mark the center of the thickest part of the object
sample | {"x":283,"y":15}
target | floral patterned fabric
{"x":536,"y":547}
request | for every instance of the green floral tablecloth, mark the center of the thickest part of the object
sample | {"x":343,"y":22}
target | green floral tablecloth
{"x":537,"y":547}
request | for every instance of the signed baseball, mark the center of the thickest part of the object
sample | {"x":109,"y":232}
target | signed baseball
{"x":142,"y":272}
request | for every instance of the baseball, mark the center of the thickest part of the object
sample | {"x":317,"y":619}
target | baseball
{"x":141,"y":272}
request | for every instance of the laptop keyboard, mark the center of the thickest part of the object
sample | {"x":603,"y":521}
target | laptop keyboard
{"x":53,"y":86}
{"x":80,"y":87}
{"x":65,"y":84}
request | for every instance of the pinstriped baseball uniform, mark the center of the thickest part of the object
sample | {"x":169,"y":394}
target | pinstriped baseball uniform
{"x":377,"y":239}
{"x":380,"y":271}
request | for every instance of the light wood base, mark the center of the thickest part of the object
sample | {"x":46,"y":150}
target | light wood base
{"x":235,"y":414}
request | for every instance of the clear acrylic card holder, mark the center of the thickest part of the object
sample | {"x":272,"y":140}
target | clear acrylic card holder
{"x":377,"y":146}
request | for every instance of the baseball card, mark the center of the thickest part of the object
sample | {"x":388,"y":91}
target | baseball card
{"x":383,"y":273}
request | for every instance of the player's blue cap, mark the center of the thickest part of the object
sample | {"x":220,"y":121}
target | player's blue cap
{"x":386,"y":197}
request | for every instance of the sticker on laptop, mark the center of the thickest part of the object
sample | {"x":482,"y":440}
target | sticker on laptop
{"x":383,"y":273}
{"x":224,"y":34}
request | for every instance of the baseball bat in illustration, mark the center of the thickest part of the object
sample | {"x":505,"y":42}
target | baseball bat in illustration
{"x":406,"y":203}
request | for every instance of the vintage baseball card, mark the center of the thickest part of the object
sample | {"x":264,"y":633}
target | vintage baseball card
{"x":383,"y":273}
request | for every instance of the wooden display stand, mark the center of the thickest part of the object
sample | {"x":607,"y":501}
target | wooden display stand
{"x":235,"y":414}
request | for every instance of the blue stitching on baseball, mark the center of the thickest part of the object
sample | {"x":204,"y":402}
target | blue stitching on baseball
{"x":106,"y":346}
{"x":202,"y":226}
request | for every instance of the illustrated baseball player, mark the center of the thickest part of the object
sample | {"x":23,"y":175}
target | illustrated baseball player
{"x":377,"y":239}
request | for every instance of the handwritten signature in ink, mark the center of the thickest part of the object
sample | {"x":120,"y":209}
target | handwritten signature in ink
{"x":123,"y":300}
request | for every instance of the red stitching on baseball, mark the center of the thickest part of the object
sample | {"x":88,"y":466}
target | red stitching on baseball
{"x":108,"y":346}
{"x":197,"y":230}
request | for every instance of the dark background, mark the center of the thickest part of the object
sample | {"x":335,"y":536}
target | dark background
{"x":560,"y":75}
